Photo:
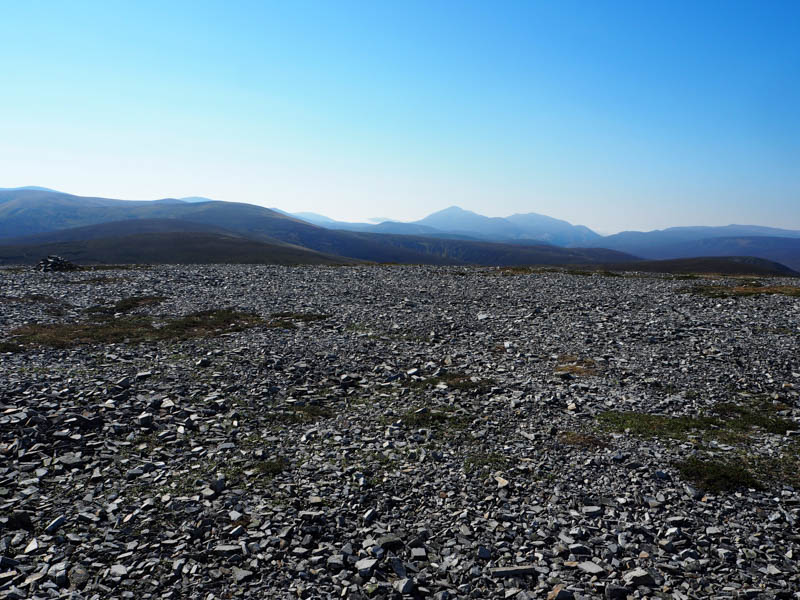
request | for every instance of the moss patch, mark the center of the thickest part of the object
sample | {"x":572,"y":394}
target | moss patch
{"x":717,"y":476}
{"x":442,"y":420}
{"x":272,"y":467}
{"x":725,"y":422}
{"x":784,"y":468}
{"x":302,"y":414}
{"x":655,"y":425}
{"x":757,"y":415}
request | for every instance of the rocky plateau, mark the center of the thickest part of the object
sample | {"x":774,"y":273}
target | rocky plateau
{"x":398,"y":432}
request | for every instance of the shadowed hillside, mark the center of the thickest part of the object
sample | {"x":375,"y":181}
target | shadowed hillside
{"x":169,"y":248}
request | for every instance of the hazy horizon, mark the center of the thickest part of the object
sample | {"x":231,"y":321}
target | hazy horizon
{"x":613,"y":115}
{"x":375,"y":220}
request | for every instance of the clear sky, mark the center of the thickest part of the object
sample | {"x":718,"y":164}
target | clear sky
{"x":615,"y":115}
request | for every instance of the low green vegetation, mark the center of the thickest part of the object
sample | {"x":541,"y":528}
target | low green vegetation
{"x":476,"y":463}
{"x":784,"y":468}
{"x":723,"y":423}
{"x":655,"y":425}
{"x":456,"y":381}
{"x":134,"y":329}
{"x":717,"y":476}
{"x":289,"y":320}
{"x":441,"y":420}
{"x":729,"y":423}
{"x":271,"y":467}
{"x":758,"y":414}
{"x":521,"y":270}
{"x":126,"y":305}
{"x":306,"y":413}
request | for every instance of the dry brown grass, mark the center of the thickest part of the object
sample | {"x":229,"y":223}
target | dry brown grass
{"x":739,"y":291}
{"x":580,"y":439}
{"x":127,"y":305}
{"x":133,"y":329}
{"x":573,"y":365}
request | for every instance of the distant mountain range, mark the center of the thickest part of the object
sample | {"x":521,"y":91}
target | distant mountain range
{"x":41,"y":221}
{"x":457,"y":223}
{"x":769,"y":243}
{"x":36,"y":221}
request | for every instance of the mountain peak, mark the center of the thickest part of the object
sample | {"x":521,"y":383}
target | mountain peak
{"x":196,"y":199}
{"x":453,"y":210}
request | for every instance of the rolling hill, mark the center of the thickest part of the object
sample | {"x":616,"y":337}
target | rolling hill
{"x":780,"y":245}
{"x":722,"y":265}
{"x":71,"y":218}
{"x":34,"y":218}
{"x":785,"y":250}
{"x":169,"y":248}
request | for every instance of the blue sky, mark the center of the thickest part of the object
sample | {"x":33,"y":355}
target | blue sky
{"x":616,"y":115}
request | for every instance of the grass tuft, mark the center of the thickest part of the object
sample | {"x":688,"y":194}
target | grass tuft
{"x":485,"y":462}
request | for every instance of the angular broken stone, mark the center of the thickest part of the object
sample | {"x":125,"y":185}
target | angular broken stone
{"x":518,"y":571}
{"x":241,"y":575}
{"x":365,"y":566}
{"x":55,"y":524}
{"x":588,"y":566}
{"x":118,"y":571}
{"x":404,"y":586}
{"x":638,"y":577}
{"x":306,"y":450}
